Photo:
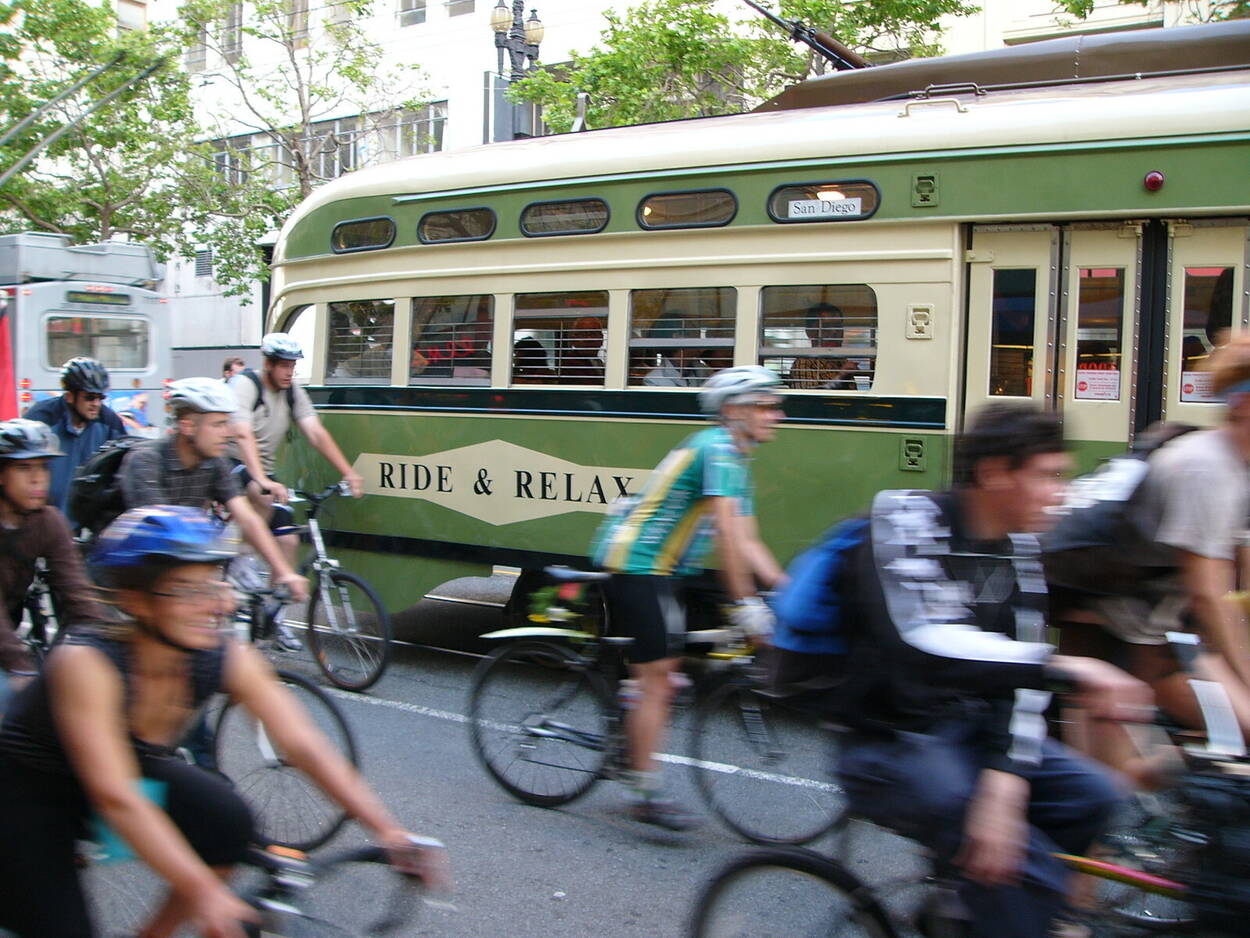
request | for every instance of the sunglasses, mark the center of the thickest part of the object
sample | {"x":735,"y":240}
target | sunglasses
{"x":91,"y":396}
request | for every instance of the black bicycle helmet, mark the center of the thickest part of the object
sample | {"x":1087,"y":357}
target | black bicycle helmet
{"x":28,"y":439}
{"x":84,"y":374}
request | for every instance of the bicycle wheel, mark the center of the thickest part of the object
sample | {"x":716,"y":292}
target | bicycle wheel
{"x":1153,"y":840}
{"x":539,"y":721}
{"x":349,"y":631}
{"x":766,"y":770}
{"x":288,"y":807}
{"x":787,"y":891}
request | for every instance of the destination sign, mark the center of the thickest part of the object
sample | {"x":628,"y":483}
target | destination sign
{"x":97,"y":299}
{"x":826,"y":208}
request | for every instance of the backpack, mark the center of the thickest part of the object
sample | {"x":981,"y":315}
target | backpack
{"x":809,"y":607}
{"x":260,"y":390}
{"x":1100,"y":516}
{"x":95,"y":495}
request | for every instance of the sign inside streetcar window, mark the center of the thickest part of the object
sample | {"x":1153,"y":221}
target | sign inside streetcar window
{"x":1196,"y":387}
{"x":825,"y":208}
{"x":1098,"y":384}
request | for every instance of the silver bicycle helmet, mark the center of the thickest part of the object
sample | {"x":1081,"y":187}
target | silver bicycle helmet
{"x":280,"y":345}
{"x":202,"y":395}
{"x":28,"y":439}
{"x":732,"y":384}
{"x":84,"y":374}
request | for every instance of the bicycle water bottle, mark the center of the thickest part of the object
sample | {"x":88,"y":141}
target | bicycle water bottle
{"x":629,"y":694}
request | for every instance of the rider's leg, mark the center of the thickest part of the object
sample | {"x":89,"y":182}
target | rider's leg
{"x":647,"y":723}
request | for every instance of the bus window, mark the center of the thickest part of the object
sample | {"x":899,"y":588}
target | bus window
{"x":120,"y":342}
{"x":1208,"y":316}
{"x":1011,"y":333}
{"x":820,"y":337}
{"x":1099,"y":323}
{"x":465,"y":224}
{"x":679,"y":337}
{"x":358,"y":347}
{"x":451,"y":339}
{"x":558,"y":338}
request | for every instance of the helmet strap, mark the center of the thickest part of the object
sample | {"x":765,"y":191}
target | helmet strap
{"x":153,"y":632}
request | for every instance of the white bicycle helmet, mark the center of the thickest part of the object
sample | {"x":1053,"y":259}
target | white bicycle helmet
{"x":28,"y":439}
{"x":202,"y":395}
{"x":280,"y":345}
{"x":733,"y":384}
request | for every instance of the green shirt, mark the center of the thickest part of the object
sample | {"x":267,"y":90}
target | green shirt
{"x":667,"y":530}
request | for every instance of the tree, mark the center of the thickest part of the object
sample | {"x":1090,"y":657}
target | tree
{"x":1196,"y":11}
{"x":668,"y":59}
{"x":131,"y":170}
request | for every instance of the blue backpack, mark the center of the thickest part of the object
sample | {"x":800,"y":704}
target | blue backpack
{"x":809,"y":607}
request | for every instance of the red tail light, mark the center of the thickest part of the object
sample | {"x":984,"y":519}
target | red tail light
{"x":24,"y":384}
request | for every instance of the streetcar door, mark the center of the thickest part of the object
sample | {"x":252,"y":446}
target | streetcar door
{"x":1099,"y":336}
{"x":1206,"y":294}
{"x":1012,"y":289}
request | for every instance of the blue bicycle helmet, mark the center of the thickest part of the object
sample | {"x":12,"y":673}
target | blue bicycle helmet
{"x":157,"y":535}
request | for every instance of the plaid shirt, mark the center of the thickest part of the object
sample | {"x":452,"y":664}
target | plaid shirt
{"x":153,"y":474}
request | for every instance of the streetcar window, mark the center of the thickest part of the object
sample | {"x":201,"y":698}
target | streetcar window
{"x":1099,"y":324}
{"x":358,"y":349}
{"x":823,"y":201}
{"x":820,"y":336}
{"x":1013,"y":314}
{"x":1208,"y":314}
{"x":679,"y":337}
{"x":465,"y":224}
{"x":117,"y":342}
{"x":363,"y":234}
{"x":451,"y":339}
{"x":571,"y":216}
{"x":705,"y":208}
{"x":300,"y":323}
{"x":559,"y":338}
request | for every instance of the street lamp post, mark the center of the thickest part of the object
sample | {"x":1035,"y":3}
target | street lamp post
{"x":520,"y":38}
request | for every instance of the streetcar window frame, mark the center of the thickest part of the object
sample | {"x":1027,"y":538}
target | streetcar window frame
{"x":817,"y":184}
{"x":367,"y":247}
{"x":642,"y":204}
{"x":607,"y":217}
{"x":494,"y":225}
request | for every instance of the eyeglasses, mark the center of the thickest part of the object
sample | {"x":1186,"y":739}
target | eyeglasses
{"x":191,"y":594}
{"x":92,"y":396}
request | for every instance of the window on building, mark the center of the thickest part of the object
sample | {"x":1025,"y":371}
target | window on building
{"x":117,"y":342}
{"x":204,"y":263}
{"x":411,"y":12}
{"x":230,"y":157}
{"x":358,"y":347}
{"x":459,"y":7}
{"x":232,"y":33}
{"x":451,"y":339}
{"x":132,"y":14}
{"x":820,"y":337}
{"x":559,"y":338}
{"x":390,"y":135}
{"x":196,"y":58}
{"x":331,"y":147}
{"x":340,"y":12}
{"x":680,"y":337}
{"x":297,"y":22}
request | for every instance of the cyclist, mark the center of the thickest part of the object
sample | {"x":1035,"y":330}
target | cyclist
{"x":80,"y":419}
{"x":189,"y":468}
{"x":945,"y":688}
{"x":105,"y":713}
{"x":31,"y":529}
{"x":1176,"y":570}
{"x":701,"y":492}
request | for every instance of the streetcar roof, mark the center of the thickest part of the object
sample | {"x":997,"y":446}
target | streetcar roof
{"x":1208,"y":103}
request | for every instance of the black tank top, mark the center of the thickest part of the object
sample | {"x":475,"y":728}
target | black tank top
{"x":28,"y":735}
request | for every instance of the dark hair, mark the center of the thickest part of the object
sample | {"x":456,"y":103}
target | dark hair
{"x":814,"y":313}
{"x":1016,"y":430}
{"x":231,"y":362}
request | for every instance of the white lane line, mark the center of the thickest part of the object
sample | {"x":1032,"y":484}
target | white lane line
{"x":721,"y":767}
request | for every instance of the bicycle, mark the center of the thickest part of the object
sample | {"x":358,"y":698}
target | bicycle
{"x":289,"y":809}
{"x":547,"y":723}
{"x":347,"y":628}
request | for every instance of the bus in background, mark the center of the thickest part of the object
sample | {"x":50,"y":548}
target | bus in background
{"x":64,"y":300}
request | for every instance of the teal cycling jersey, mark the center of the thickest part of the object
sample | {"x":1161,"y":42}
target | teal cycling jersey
{"x":667,"y":530}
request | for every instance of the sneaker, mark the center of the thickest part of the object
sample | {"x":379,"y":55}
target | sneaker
{"x":663,"y":813}
{"x":284,"y":639}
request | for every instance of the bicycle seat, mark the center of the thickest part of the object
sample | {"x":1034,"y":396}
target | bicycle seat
{"x":569,"y":575}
